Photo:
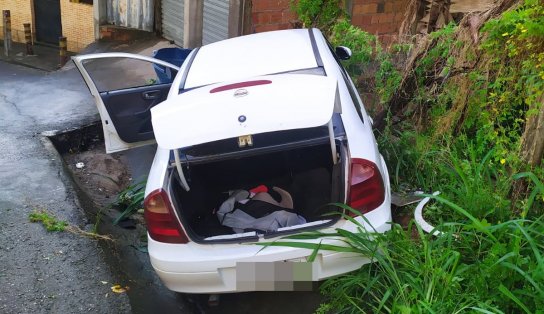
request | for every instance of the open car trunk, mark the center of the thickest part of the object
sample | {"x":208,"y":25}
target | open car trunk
{"x":297,"y":161}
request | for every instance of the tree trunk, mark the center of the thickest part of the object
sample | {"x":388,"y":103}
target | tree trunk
{"x":532,"y":141}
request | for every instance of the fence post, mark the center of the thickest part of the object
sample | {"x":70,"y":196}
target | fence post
{"x":62,"y":52}
{"x":7,"y":31}
{"x":28,"y":40}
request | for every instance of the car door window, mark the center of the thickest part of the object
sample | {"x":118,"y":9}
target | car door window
{"x":110,"y":74}
{"x":126,"y":87}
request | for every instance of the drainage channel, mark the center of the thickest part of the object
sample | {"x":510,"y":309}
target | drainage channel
{"x":98,"y":178}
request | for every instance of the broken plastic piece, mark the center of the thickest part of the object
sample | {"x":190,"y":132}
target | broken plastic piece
{"x":418,"y":215}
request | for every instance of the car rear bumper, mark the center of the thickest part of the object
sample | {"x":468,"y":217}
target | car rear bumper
{"x":212,"y":268}
{"x":224,"y":279}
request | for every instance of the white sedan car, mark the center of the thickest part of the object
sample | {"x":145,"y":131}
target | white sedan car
{"x":274,"y":110}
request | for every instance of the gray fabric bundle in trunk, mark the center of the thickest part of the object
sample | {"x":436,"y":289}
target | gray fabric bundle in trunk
{"x":231,"y":213}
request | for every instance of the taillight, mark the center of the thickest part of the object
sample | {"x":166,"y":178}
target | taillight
{"x":162,"y":224}
{"x":366,"y":186}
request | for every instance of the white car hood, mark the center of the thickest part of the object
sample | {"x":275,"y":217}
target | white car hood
{"x":280,"y":102}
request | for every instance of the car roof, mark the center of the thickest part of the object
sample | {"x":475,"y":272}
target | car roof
{"x":252,"y":55}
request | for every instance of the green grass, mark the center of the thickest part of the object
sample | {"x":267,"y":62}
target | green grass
{"x":50,"y":222}
{"x":473,"y":267}
{"x":490,"y":256}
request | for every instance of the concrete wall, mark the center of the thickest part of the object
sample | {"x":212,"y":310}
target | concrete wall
{"x":77,"y":24}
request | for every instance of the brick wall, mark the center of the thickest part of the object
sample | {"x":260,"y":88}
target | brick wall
{"x":76,"y":18}
{"x":381,"y":17}
{"x":21,"y":12}
{"x":271,"y":15}
{"x":77,"y":24}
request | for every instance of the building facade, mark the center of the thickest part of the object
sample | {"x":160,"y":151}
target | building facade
{"x":187,"y":23}
{"x":379,"y":17}
{"x":51,"y":19}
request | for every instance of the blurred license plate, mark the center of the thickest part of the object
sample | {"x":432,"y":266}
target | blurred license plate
{"x":275,"y":276}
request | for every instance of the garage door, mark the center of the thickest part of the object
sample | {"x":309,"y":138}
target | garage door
{"x":216,"y":21}
{"x":172,"y":20}
{"x":137,"y":14}
{"x":47,"y":20}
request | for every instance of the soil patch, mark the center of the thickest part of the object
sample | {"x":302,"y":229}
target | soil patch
{"x":99,"y":177}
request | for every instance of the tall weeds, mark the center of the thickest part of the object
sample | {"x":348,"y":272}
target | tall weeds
{"x":472,"y":267}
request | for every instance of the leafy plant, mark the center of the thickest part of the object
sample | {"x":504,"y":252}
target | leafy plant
{"x":361,"y":43}
{"x":333,"y":21}
{"x":50,"y":222}
{"x":463,"y":125}
{"x":322,"y":14}
{"x":53,"y":224}
{"x":130,"y":200}
{"x":388,"y":77}
{"x":471,"y":267}
{"x":537,"y":193}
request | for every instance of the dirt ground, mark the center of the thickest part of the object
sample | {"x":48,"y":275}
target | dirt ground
{"x":98,"y":178}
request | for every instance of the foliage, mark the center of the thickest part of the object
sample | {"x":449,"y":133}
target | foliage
{"x":462,"y":133}
{"x":473,"y":267}
{"x":322,"y":14}
{"x":130,"y":200}
{"x":333,"y":21}
{"x":53,"y":224}
{"x":50,"y":222}
{"x":516,"y":43}
{"x":388,"y":77}
{"x":360,"y":42}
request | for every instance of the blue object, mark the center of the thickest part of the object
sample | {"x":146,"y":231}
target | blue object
{"x":175,"y":55}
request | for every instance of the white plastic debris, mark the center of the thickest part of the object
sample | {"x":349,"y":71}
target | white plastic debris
{"x":418,"y":215}
{"x":80,"y":165}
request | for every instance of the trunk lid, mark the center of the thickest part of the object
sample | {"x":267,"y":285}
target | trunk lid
{"x":257,"y":105}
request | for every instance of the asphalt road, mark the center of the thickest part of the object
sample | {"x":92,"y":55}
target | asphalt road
{"x":43,"y":272}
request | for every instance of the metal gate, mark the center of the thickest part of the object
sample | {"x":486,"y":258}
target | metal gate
{"x":215,"y":25}
{"x":136,"y":14}
{"x":172,"y":20}
{"x":47,"y":21}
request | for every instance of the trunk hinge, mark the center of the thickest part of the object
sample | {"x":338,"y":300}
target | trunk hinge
{"x":333,"y":143}
{"x":337,"y":109}
{"x":184,"y":184}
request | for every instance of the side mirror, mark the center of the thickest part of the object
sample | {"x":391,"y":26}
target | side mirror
{"x":343,"y":53}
